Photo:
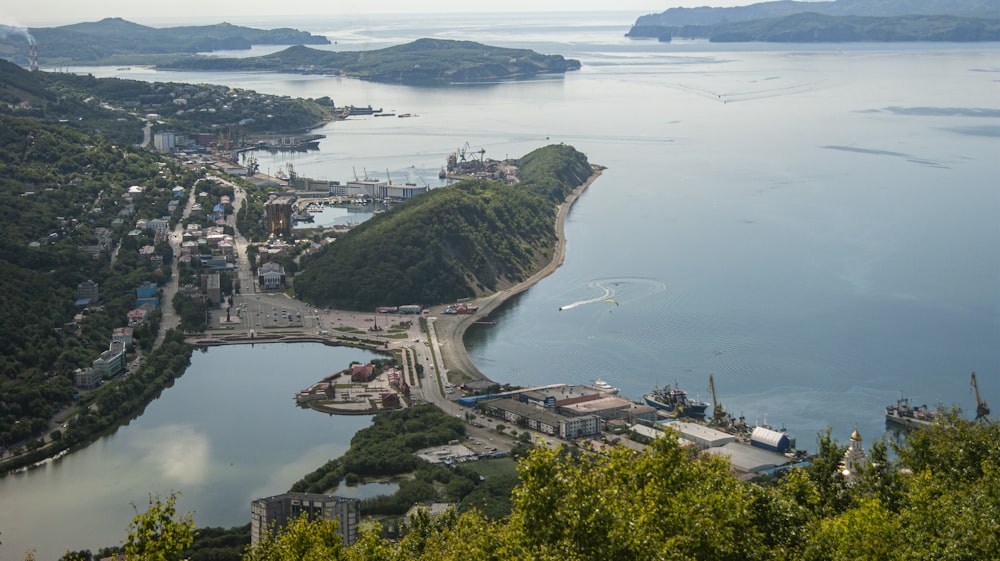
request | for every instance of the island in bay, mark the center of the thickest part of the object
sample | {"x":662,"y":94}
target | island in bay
{"x":431,"y":61}
{"x":118,"y":41}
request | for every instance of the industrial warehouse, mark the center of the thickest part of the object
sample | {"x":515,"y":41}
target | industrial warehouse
{"x":582,"y":412}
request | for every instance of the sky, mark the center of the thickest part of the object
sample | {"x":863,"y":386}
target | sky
{"x":48,"y":13}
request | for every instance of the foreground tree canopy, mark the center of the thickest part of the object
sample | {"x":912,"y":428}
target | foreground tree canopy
{"x":938,"y":499}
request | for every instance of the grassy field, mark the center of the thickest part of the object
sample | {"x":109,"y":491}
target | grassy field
{"x":493,"y":468}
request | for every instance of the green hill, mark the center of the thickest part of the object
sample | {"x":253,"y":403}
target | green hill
{"x":421,"y":61}
{"x":837,"y":21}
{"x":470,"y":238}
{"x":17,"y":85}
{"x":118,"y":40}
{"x":813,"y":28}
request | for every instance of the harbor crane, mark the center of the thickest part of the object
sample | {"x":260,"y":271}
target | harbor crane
{"x":718,"y":411}
{"x":982,"y":409}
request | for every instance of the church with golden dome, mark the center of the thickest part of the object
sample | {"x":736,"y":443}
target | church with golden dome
{"x":854,"y":458}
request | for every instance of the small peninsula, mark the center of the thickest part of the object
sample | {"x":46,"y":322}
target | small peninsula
{"x":424,"y":61}
{"x":467,"y":240}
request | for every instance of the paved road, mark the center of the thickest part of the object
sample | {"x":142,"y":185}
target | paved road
{"x":450,"y":329}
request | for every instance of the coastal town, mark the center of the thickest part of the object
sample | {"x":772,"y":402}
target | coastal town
{"x":362,"y":350}
{"x":429,"y":365}
{"x":426,"y":362}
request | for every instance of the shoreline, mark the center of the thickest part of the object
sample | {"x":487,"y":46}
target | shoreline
{"x":450,"y":330}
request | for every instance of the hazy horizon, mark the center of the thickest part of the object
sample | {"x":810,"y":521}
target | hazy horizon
{"x":51,"y":13}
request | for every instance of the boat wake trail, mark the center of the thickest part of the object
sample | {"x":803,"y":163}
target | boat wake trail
{"x":616,"y":291}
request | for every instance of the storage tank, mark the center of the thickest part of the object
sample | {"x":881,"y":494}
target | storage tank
{"x":769,"y":439}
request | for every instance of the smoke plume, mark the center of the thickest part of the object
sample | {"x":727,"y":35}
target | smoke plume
{"x":16,"y":31}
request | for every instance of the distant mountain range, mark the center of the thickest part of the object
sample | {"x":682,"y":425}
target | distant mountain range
{"x":110,"y":40}
{"x":836,"y":21}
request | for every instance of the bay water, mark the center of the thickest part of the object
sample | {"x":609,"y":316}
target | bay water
{"x":816,"y":226}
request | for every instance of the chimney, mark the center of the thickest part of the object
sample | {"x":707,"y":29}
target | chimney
{"x":33,"y":57}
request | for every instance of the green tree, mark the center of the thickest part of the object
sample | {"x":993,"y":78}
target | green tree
{"x":302,"y":539}
{"x":159,"y":534}
{"x":666,"y":503}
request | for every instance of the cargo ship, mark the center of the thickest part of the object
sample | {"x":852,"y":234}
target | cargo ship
{"x":675,"y":400}
{"x":902,"y":413}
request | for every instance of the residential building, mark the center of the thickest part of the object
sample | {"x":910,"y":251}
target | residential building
{"x":271,"y":514}
{"x":87,"y":378}
{"x":213,"y":288}
{"x":572,"y":428}
{"x":122,"y":335}
{"x":148,"y":293}
{"x":158,"y":224}
{"x":138,"y":316}
{"x":164,"y":141}
{"x":522,"y":415}
{"x":112,"y":361}
{"x":87,"y":290}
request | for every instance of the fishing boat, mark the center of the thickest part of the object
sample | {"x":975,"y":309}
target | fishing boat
{"x":673,"y":399}
{"x":904,"y":414}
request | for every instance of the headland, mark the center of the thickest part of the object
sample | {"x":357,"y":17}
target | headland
{"x":450,"y":329}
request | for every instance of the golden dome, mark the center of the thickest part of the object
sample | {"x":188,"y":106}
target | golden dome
{"x":856,"y":436}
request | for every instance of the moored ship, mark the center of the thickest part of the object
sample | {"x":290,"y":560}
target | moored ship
{"x":604,"y":387}
{"x":673,"y":399}
{"x":902,"y":413}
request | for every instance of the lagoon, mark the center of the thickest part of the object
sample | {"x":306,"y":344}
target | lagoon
{"x":226,"y":433}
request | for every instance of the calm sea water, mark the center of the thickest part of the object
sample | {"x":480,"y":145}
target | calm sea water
{"x":815,"y":225}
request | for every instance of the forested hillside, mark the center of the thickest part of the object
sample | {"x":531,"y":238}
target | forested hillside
{"x":826,"y":21}
{"x":459,"y":241}
{"x":118,"y":109}
{"x":421,"y":61}
{"x":812,"y":28}
{"x":706,"y":15}
{"x":117,"y":39}
{"x":58,"y":189}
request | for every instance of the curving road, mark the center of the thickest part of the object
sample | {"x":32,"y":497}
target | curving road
{"x":449,"y":330}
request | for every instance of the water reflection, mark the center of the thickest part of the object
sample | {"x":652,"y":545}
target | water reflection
{"x":226,"y":433}
{"x":178,"y":454}
{"x":365,"y":490}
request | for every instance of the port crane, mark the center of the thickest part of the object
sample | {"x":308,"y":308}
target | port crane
{"x":982,"y":409}
{"x":718,"y":411}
